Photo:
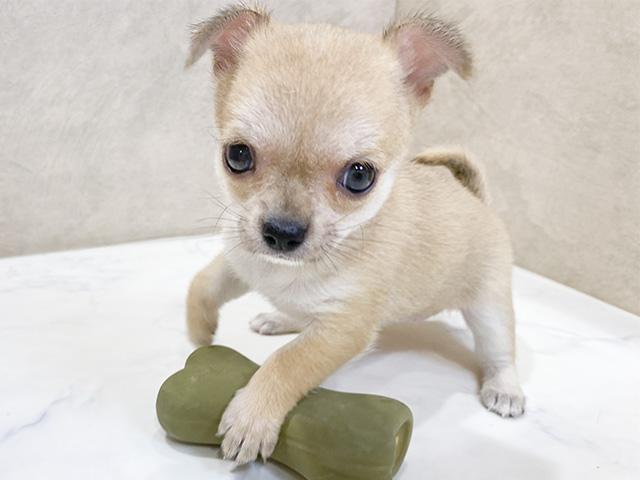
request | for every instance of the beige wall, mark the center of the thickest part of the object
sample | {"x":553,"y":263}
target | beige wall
{"x":103,"y":137}
{"x":554,"y":114}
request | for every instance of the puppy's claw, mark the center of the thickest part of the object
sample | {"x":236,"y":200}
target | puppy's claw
{"x":230,"y":447}
{"x":221,"y":430}
{"x":267,"y":446}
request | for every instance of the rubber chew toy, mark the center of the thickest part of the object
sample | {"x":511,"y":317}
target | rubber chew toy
{"x":328,"y":435}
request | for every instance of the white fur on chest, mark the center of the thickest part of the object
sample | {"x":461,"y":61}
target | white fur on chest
{"x":292,"y":288}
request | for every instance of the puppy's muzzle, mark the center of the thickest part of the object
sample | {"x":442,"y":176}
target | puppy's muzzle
{"x":283,"y":235}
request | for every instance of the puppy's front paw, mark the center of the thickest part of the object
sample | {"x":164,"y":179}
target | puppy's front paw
{"x":273,"y":323}
{"x":247,"y":430}
{"x":501,"y":393}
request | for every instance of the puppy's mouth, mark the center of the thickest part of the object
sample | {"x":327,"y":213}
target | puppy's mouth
{"x":285,"y":260}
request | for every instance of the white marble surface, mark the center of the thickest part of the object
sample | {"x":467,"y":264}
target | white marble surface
{"x":87,"y":337}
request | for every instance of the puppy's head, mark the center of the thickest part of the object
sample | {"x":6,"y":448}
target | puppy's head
{"x":314,"y":120}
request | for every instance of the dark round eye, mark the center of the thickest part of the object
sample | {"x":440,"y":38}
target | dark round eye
{"x":238,"y":158}
{"x":359,"y":177}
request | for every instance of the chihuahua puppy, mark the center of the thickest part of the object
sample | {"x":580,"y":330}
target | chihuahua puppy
{"x":330,"y":220}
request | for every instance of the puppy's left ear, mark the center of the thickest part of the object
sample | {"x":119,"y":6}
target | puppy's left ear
{"x":225,"y":35}
{"x":427,"y":47}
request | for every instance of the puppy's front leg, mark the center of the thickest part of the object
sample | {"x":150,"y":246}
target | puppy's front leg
{"x":212,"y":287}
{"x":252,"y":420}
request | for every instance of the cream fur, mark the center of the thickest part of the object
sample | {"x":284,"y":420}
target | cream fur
{"x":309,"y":99}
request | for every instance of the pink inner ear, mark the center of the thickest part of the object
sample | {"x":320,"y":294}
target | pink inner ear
{"x":227,"y":42}
{"x":424,"y":56}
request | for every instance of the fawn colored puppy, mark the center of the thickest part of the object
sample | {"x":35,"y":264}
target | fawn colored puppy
{"x":328,"y":217}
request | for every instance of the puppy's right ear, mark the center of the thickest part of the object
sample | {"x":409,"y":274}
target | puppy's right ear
{"x":225,"y":35}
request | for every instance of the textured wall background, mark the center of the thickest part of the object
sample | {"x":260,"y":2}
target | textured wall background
{"x":104,"y":138}
{"x":554,"y":114}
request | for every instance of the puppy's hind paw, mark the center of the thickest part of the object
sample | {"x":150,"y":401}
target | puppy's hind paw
{"x":504,"y":404}
{"x":274,"y":323}
{"x":501,"y":393}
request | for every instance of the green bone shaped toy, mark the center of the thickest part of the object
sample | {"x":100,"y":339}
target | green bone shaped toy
{"x":328,"y":435}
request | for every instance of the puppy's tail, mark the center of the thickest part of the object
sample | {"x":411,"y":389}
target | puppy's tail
{"x":462,"y":167}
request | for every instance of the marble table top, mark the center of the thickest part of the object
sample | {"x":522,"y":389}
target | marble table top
{"x":87,"y":337}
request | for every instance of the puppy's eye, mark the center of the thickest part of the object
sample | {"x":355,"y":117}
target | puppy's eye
{"x":238,"y":157}
{"x":359,"y":177}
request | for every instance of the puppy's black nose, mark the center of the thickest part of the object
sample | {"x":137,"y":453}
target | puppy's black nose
{"x":283,"y":235}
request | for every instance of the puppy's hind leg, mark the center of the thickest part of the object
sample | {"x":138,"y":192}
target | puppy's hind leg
{"x":493,"y":325}
{"x":210,"y":289}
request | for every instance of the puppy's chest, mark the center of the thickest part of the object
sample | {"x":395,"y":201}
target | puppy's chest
{"x":295,"y":288}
